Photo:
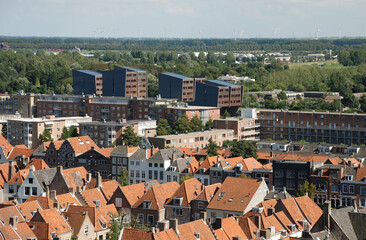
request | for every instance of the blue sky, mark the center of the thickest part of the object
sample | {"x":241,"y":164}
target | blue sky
{"x":184,"y":18}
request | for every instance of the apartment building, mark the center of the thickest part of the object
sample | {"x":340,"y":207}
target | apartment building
{"x":172,"y":85}
{"x":193,"y":139}
{"x":22,"y":103}
{"x":108,"y":134}
{"x":108,"y":108}
{"x":27,"y":131}
{"x":60,"y":105}
{"x":244,"y":128}
{"x":125,"y":82}
{"x":87,"y":82}
{"x":218,"y":93}
{"x":335,"y":128}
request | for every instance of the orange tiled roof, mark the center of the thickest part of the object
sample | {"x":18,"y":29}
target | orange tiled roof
{"x":232,"y":196}
{"x":15,"y":152}
{"x":106,"y":151}
{"x":292,"y":157}
{"x":210,"y":161}
{"x":221,"y":235}
{"x":268,"y":166}
{"x":166,"y":235}
{"x":187,"y":230}
{"x":4,"y":173}
{"x":209,"y":191}
{"x":134,"y":192}
{"x":24,"y":231}
{"x":158,"y":195}
{"x":268,"y":204}
{"x":294,"y":213}
{"x":136,"y":234}
{"x":310,"y":209}
{"x":45,"y":202}
{"x":108,"y":188}
{"x":55,"y":219}
{"x":188,"y":151}
{"x":41,"y":229}
{"x":252,"y":163}
{"x":4,"y":143}
{"x":19,"y":177}
{"x":361,"y":174}
{"x":248,"y":226}
{"x":91,"y":211}
{"x":193,"y":166}
{"x":38,"y":164}
{"x":188,"y":190}
{"x":7,"y":212}
{"x":21,"y":146}
{"x":28,"y":207}
{"x":92,"y":195}
{"x":67,"y":199}
{"x":284,"y":220}
{"x":82,"y":144}
{"x":231,"y":228}
{"x":109,"y":211}
{"x":272,"y":221}
{"x":69,"y":175}
{"x":8,"y":233}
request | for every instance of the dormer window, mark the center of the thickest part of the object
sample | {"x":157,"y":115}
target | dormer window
{"x":177,"y":201}
{"x":146,"y":204}
{"x":348,"y":177}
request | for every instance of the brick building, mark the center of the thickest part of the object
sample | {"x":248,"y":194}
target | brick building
{"x":60,"y":105}
{"x":22,"y":103}
{"x":108,"y":108}
{"x":125,"y":82}
{"x":87,"y":82}
{"x":336,"y":128}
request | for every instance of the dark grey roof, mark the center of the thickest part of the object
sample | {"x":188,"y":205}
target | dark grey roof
{"x":45,"y":176}
{"x":139,"y":154}
{"x":342,"y":219}
{"x":122,"y":149}
{"x":181,"y":163}
{"x":166,"y":154}
{"x":276,"y":194}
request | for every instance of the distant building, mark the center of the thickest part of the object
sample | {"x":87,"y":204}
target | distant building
{"x":27,"y":131}
{"x":87,"y":82}
{"x":216,"y":93}
{"x":193,"y":140}
{"x":60,"y":105}
{"x":172,"y":85}
{"x":244,"y":128}
{"x":125,"y":82}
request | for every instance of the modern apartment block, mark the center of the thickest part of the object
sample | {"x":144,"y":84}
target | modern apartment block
{"x":336,"y":128}
{"x":218,"y":93}
{"x":172,"y":85}
{"x":27,"y":131}
{"x":61,"y":105}
{"x":108,"y":134}
{"x":244,"y":128}
{"x":22,"y":103}
{"x":193,"y":140}
{"x":125,"y":82}
{"x":87,"y":82}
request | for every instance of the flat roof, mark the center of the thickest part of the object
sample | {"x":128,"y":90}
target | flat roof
{"x":195,"y":134}
{"x":223,"y":83}
{"x":90,"y":72}
{"x":48,"y":119}
{"x":114,"y":123}
{"x":175,"y":75}
{"x":189,"y":107}
{"x":132,"y":69}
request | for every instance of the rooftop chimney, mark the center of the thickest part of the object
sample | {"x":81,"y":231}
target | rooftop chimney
{"x":163,"y":225}
{"x":99,"y":180}
{"x":173,"y":223}
{"x":59,"y":169}
{"x":53,"y":195}
{"x":11,"y":167}
{"x":258,"y":221}
{"x":270,"y":211}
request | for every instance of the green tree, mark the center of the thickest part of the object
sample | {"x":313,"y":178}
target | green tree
{"x":244,"y":148}
{"x":129,"y":137}
{"x":163,"y":127}
{"x":4,"y":130}
{"x":243,"y":175}
{"x":209,"y":124}
{"x":211,"y":148}
{"x":182,"y":125}
{"x":185,"y":177}
{"x":45,"y":136}
{"x":73,"y":131}
{"x":65,"y":134}
{"x":228,"y":143}
{"x":226,"y":115}
{"x":363,"y":103}
{"x":282,"y":95}
{"x":306,"y":188}
{"x":123,"y":177}
{"x":196,"y":124}
{"x":230,"y":58}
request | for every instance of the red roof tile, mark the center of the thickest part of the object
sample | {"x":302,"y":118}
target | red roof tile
{"x":38,"y":164}
{"x":54,"y":218}
{"x":134,"y":192}
{"x":138,"y":234}
{"x":67,"y":199}
{"x":166,"y":235}
{"x":188,"y":190}
{"x":45,"y":202}
{"x":108,"y":188}
{"x":92,"y":195}
{"x":187,"y":230}
{"x":15,"y":152}
{"x":309,"y":209}
{"x":231,"y":228}
{"x":29,"y":208}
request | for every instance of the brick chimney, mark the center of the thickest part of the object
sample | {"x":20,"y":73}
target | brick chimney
{"x":270,"y":211}
{"x":173,"y":223}
{"x":59,"y":169}
{"x":258,"y":221}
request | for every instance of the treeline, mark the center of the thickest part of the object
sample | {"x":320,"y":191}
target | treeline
{"x":352,"y":57}
{"x":184,"y":45}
